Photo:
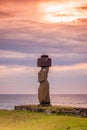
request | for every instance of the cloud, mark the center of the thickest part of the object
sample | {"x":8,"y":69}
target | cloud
{"x":24,"y":37}
{"x":66,"y":40}
{"x":83,"y":7}
{"x":17,"y":69}
{"x":18,"y":58}
{"x":18,"y":79}
{"x":12,"y":54}
{"x":63,"y":79}
{"x":26,"y":34}
{"x":75,"y":67}
{"x":5,"y":14}
{"x":31,"y":59}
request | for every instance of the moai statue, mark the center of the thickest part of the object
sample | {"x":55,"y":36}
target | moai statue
{"x":43,"y":91}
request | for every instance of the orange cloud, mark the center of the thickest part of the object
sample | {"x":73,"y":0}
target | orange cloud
{"x":55,"y":12}
{"x":83,"y":7}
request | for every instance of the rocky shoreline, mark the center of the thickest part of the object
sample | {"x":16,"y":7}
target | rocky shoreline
{"x":81,"y":112}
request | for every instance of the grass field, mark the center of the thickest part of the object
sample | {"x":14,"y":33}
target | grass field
{"x":24,"y":120}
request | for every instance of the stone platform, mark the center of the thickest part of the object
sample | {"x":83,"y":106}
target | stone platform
{"x":82,"y":112}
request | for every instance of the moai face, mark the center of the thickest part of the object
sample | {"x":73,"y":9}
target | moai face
{"x":44,"y":61}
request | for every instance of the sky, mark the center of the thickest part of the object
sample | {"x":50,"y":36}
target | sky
{"x":31,"y":28}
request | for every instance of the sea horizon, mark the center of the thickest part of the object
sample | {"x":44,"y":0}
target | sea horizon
{"x":8,"y":101}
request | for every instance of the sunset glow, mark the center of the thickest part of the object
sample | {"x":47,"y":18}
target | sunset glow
{"x":54,"y":12}
{"x":30,"y":28}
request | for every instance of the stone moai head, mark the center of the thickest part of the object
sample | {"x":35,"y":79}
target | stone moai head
{"x":44,"y":61}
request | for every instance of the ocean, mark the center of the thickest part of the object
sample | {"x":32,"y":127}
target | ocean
{"x":8,"y":101}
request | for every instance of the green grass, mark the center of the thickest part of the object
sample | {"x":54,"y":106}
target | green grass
{"x":24,"y":120}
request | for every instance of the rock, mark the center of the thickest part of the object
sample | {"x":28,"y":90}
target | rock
{"x":48,"y":112}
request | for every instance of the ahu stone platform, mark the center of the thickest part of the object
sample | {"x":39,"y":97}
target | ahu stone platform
{"x":82,"y":112}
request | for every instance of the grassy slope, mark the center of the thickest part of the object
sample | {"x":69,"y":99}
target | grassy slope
{"x":24,"y":120}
